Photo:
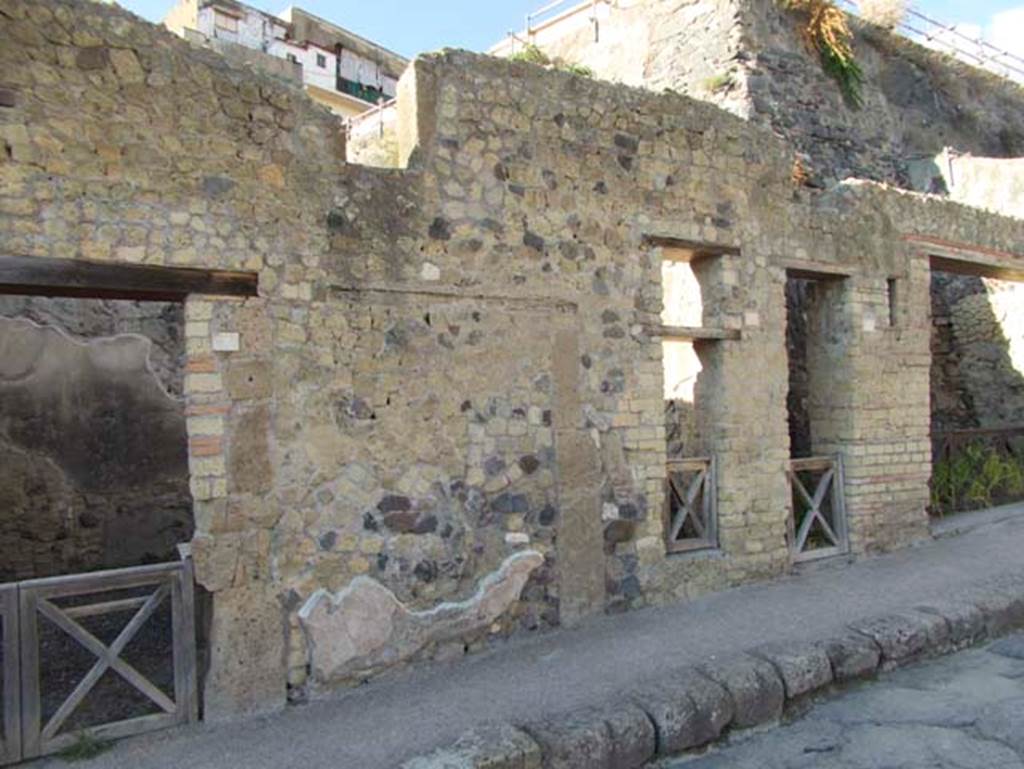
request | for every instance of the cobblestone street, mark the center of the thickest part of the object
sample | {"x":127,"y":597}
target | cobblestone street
{"x":960,"y":712}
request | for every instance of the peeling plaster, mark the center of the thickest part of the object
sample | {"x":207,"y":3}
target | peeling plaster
{"x":365,"y":627}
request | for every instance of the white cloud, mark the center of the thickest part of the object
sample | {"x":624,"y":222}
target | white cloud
{"x":1006,"y":31}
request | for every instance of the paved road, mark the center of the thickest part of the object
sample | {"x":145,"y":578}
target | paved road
{"x":965,"y":711}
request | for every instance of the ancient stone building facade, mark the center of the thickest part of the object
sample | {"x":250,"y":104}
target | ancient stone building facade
{"x":927,"y":123}
{"x":445,"y":419}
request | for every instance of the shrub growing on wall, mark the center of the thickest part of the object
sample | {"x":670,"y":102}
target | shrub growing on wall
{"x":534,"y":55}
{"x":825,"y":31}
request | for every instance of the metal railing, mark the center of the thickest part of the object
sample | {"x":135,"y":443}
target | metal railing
{"x":556,"y":8}
{"x":361,"y":91}
{"x":950,"y":39}
{"x":359,"y":125}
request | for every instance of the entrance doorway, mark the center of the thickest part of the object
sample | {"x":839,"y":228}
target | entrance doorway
{"x":97,"y":615}
{"x":817,"y":330}
{"x":977,"y":387}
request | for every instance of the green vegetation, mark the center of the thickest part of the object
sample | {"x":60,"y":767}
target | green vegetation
{"x":720,"y":82}
{"x":974,"y":478}
{"x":531,"y":54}
{"x":825,"y":31}
{"x":84,"y":748}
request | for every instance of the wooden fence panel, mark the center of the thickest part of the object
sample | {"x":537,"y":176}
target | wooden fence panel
{"x":691,"y":505}
{"x":10,"y":679}
{"x":817,"y":525}
{"x":163,"y":584}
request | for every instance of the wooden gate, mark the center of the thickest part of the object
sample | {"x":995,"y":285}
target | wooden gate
{"x":817,"y":527}
{"x":92,"y":623}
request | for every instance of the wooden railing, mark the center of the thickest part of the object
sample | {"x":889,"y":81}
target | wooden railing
{"x":817,"y":527}
{"x":64,"y":604}
{"x":691,"y":507}
{"x":10,"y":685}
{"x":947,"y":443}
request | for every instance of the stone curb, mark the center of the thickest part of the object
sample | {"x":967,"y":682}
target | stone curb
{"x":693,"y":707}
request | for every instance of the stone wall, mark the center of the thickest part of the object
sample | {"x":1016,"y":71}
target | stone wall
{"x":92,"y":433}
{"x":924,"y":120}
{"x":916,"y":101}
{"x":747,"y":56}
{"x":691,"y":47}
{"x":978,"y":371}
{"x":445,"y":421}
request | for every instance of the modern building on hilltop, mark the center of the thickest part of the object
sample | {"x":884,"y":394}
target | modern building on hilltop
{"x":343,"y":71}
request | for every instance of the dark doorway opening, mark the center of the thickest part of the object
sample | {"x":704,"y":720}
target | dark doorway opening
{"x":818,"y":331}
{"x":977,"y":388}
{"x":93,"y":444}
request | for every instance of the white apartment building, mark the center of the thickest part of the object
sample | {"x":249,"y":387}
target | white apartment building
{"x":347,"y":73}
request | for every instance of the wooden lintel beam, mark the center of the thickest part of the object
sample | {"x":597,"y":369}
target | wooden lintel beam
{"x":974,"y":269}
{"x":688,"y":250}
{"x":103,"y":280}
{"x":695,"y":333}
{"x":810,"y":270}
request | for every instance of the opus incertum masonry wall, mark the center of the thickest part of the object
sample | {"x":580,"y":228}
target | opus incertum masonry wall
{"x":446,"y":414}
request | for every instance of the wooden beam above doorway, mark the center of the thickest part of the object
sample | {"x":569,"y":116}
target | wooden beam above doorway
{"x":974,"y":269}
{"x":42,"y":276}
{"x":967,"y":259}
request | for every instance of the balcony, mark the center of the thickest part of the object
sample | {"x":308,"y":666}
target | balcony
{"x":364,"y":92}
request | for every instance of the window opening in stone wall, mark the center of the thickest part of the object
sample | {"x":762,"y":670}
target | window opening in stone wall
{"x":94,"y":478}
{"x":798,"y":397}
{"x":816,"y":335}
{"x":321,"y":61}
{"x":892,"y":301}
{"x":977,"y":391}
{"x":690,"y":364}
{"x":682,"y":304}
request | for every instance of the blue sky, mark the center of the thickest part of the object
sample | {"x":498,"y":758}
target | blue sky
{"x":413,"y":26}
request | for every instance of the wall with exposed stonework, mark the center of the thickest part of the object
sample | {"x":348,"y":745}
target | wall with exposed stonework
{"x":691,"y":47}
{"x":446,"y":415}
{"x":92,"y":431}
{"x":916,"y":101}
{"x":747,"y":56}
{"x":977,"y":343}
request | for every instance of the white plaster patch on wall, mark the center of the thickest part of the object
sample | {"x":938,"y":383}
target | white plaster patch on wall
{"x":365,"y":628}
{"x":430,"y":272}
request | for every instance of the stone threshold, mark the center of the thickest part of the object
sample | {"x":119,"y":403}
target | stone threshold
{"x":689,"y":709}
